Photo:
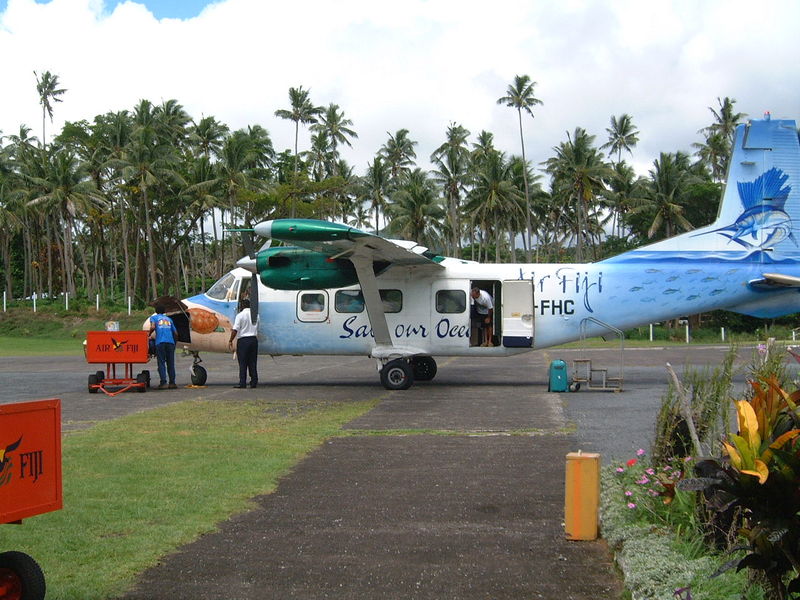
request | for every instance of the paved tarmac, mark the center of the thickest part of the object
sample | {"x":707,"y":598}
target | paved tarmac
{"x":474,"y":514}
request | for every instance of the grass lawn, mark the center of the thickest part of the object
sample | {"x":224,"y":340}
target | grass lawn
{"x":138,"y":487}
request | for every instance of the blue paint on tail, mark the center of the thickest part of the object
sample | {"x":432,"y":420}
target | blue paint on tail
{"x":759,"y":216}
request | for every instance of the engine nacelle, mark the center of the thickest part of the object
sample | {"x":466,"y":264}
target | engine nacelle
{"x":289,"y":268}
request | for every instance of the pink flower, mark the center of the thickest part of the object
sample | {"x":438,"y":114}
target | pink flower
{"x":640,"y":452}
{"x":643,"y":480}
{"x":631,"y":505}
{"x":628,"y":493}
{"x":620,"y":470}
{"x":650,"y":471}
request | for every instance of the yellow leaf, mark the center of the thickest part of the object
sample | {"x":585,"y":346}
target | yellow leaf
{"x":736,"y":458}
{"x":745,"y":451}
{"x":748,"y":424}
{"x":761,"y":471}
{"x":778,"y":443}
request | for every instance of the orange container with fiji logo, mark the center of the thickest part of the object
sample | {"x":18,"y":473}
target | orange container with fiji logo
{"x":30,"y":459}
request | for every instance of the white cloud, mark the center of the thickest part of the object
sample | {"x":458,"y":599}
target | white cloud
{"x":418,"y":64}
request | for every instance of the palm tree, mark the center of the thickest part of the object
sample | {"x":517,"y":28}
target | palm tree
{"x":664,"y":194}
{"x":68,"y":193}
{"x":302,"y":111}
{"x":336,"y":127}
{"x":399,"y":153}
{"x":48,"y":90}
{"x":520,"y":96}
{"x":578,"y":171}
{"x":625,"y":191}
{"x":10,"y":223}
{"x":494,"y":201}
{"x":452,"y":163}
{"x":207,"y":136}
{"x":416,"y":210}
{"x":622,"y":135}
{"x":377,"y":186}
{"x":148,"y":162}
{"x":716,"y":151}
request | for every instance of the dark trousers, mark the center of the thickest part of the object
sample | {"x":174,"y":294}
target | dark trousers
{"x":247,"y":355}
{"x":165,"y":353}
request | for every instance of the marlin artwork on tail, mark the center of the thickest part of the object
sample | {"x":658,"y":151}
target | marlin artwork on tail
{"x":333,"y":289}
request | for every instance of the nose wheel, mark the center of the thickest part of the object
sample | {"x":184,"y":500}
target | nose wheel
{"x":199,"y":374}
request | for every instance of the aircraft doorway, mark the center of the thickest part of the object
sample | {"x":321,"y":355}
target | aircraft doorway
{"x":479,"y":336}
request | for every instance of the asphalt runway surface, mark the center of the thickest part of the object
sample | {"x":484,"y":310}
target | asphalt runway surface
{"x":474,"y":514}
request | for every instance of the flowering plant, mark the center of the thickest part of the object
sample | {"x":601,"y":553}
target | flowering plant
{"x":650,"y":488}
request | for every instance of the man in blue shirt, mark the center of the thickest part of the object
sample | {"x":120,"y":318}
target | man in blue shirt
{"x":165,"y":334}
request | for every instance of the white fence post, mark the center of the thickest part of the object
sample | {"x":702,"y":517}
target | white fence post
{"x":129,"y":306}
{"x":97,"y":302}
{"x":34,"y":301}
{"x":66,"y":300}
{"x":651,"y":332}
{"x":687,"y":333}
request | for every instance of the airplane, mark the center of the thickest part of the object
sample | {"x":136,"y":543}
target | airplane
{"x":336,"y":290}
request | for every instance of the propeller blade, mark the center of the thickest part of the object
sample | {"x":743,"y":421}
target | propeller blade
{"x":254,"y":297}
{"x":247,"y":242}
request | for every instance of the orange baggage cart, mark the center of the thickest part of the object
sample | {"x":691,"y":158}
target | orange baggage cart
{"x":30,"y":484}
{"x":114,"y":348}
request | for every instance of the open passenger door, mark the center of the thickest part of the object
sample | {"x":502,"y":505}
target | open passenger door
{"x":517,"y":312}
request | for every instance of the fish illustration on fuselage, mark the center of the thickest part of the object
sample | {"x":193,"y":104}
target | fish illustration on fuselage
{"x":763,"y":200}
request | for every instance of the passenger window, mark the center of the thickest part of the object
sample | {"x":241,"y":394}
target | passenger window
{"x":451,"y":301}
{"x":392,"y":301}
{"x":312,"y":302}
{"x":312,"y":307}
{"x":349,"y":301}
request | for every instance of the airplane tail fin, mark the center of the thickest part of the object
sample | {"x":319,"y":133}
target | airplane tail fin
{"x":759,"y":216}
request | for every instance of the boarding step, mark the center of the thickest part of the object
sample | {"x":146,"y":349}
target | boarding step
{"x":584,"y":374}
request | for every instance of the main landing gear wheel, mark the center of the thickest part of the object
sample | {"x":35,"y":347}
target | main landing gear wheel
{"x":424,"y":368}
{"x":199,"y":375}
{"x":93,"y":381}
{"x":397,"y":375}
{"x":21,"y":578}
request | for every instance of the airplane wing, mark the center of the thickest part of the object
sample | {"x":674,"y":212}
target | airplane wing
{"x":341,"y":241}
{"x":364,"y":250}
{"x":775,"y":281}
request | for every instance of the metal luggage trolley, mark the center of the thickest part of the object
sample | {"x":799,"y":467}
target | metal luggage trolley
{"x":30,"y":484}
{"x":117,"y":348}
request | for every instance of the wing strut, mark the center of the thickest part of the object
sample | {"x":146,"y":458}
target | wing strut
{"x":372,"y":299}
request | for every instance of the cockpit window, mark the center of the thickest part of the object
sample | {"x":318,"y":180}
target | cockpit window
{"x":225,"y":289}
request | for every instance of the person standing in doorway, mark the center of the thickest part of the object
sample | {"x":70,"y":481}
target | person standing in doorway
{"x":165,"y":333}
{"x":483,"y":314}
{"x":245,"y":333}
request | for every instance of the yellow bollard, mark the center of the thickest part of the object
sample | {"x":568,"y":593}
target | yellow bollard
{"x":582,"y":497}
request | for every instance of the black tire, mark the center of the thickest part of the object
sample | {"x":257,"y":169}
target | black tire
{"x":397,"y":375}
{"x":93,"y":380}
{"x":19,"y":568}
{"x":146,"y":374}
{"x":100,"y":375}
{"x":574,"y":387}
{"x":142,"y":378}
{"x":424,"y":368}
{"x":199,"y":375}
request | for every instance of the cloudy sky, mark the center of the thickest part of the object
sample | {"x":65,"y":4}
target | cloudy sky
{"x":415,"y":64}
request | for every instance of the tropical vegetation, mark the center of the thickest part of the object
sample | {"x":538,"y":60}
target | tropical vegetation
{"x":141,"y":202}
